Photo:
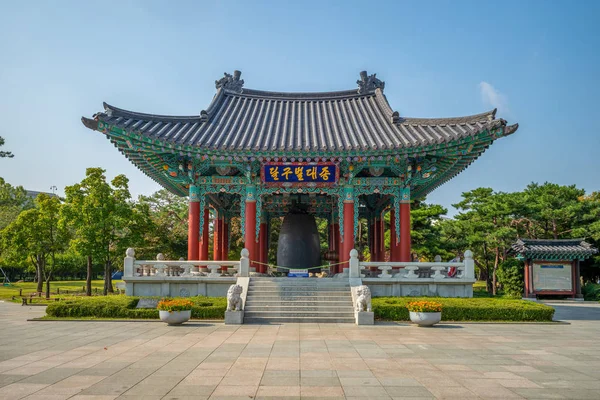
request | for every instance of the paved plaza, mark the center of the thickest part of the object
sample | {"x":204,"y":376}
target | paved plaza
{"x":149,"y":360}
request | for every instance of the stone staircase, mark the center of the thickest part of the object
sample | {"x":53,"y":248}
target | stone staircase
{"x":298,"y":300}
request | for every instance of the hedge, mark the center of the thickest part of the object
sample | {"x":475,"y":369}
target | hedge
{"x":591,"y":291}
{"x":124,"y":307}
{"x":475,"y":309}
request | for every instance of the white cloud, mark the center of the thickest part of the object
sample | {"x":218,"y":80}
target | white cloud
{"x":492,"y":97}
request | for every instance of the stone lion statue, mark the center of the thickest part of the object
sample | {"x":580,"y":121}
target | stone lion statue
{"x":234,"y":298}
{"x":363,"y":299}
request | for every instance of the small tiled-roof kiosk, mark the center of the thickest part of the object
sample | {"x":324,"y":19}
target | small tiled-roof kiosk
{"x":259,"y":155}
{"x":552,"y":266}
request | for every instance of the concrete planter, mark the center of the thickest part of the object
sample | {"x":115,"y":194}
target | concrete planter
{"x":425,"y":318}
{"x":175,"y":317}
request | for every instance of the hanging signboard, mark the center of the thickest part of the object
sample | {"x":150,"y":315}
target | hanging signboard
{"x":298,"y":174}
{"x":552,"y":277}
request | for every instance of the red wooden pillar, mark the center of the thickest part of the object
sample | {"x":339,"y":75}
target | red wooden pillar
{"x":193,"y":223}
{"x":250,"y":224}
{"x":224,"y":240}
{"x":405,"y":231}
{"x":203,"y":244}
{"x":262,"y":246}
{"x":394,"y":245}
{"x":348,"y":243}
{"x":217,"y":236}
{"x":337,"y":245}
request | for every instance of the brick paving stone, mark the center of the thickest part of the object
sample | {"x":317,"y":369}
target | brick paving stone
{"x":147,"y":360}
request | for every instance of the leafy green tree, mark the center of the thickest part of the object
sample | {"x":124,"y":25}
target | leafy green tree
{"x":486,"y":220}
{"x":4,"y":154}
{"x":510,"y":276}
{"x":36,"y":235}
{"x":551,"y":211}
{"x":426,"y":231}
{"x":13,"y":199}
{"x":101,"y":217}
{"x":167,"y":224}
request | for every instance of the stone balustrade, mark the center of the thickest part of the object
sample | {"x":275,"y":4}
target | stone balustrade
{"x":385,"y":278}
{"x":436,"y":270}
{"x":174,"y":278}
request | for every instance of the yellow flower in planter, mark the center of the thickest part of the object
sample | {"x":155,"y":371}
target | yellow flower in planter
{"x":424,"y":306}
{"x":174,"y":305}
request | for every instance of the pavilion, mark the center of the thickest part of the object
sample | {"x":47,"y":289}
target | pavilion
{"x":340,"y":155}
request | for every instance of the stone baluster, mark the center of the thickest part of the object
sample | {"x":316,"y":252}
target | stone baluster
{"x":385,"y":272}
{"x":244,"y":263}
{"x":186,"y":270}
{"x":438,"y":272}
{"x":159,"y":269}
{"x":354,"y":271}
{"x":410,"y":272}
{"x":214,"y":271}
{"x":469,"y":265}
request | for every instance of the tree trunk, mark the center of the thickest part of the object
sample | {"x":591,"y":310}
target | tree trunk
{"x":494,"y":278}
{"x":554,"y":230}
{"x":48,"y":284}
{"x":488,"y":281}
{"x":39,"y":268}
{"x":109,"y":278}
{"x":88,"y":279}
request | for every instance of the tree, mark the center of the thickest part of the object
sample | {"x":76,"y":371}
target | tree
{"x":167,"y":224}
{"x":486,"y":220}
{"x":100,"y":216}
{"x":13,"y":199}
{"x":4,"y":154}
{"x":551,"y":211}
{"x":36,"y":235}
{"x":426,"y":231}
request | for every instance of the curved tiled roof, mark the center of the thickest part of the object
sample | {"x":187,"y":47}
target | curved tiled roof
{"x":246,"y":120}
{"x":553,"y":249}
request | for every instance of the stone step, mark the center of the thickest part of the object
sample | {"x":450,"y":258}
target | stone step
{"x":299,"y":299}
{"x":300,"y":320}
{"x":300,"y":295}
{"x":298,"y":303}
{"x":298,"y":292}
{"x":317,"y":285}
{"x":297,"y":313}
{"x":284,"y":309}
{"x":296,"y":281}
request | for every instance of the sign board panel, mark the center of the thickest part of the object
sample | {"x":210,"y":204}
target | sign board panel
{"x":549,"y":276}
{"x":297,"y":174}
{"x":147,"y":303}
{"x":298,"y":273}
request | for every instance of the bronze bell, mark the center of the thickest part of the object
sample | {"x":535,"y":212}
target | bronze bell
{"x":298,"y":245}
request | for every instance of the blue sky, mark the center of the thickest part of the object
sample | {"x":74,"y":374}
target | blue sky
{"x":537,"y":61}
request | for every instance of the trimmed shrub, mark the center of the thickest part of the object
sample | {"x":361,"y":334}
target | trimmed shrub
{"x":475,"y":309}
{"x":124,"y":307}
{"x":591,"y":291}
{"x":510,"y":276}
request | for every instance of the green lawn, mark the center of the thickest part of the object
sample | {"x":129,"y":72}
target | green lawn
{"x":66,"y":288}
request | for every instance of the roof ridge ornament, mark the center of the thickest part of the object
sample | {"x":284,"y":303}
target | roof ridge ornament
{"x":229,"y":82}
{"x":368,"y":83}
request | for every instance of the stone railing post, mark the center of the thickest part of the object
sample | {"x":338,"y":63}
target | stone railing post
{"x":354,"y":268}
{"x":469,"y":265}
{"x":128,"y":264}
{"x":244,"y":263}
